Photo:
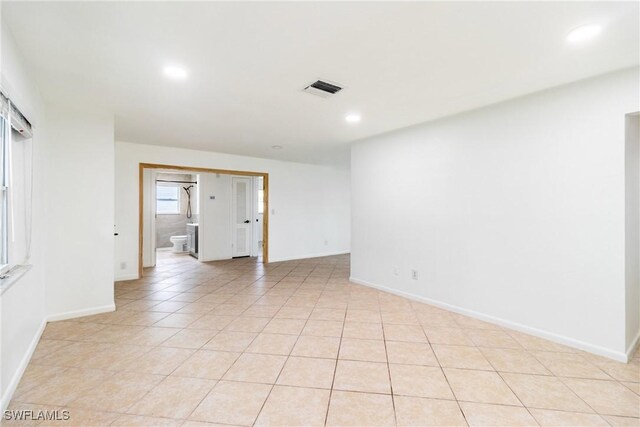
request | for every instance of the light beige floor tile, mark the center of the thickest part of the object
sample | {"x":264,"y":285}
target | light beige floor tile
{"x":544,"y":392}
{"x":64,"y":330}
{"x":46,"y":348}
{"x":65,"y":388}
{"x":213,"y":322}
{"x":323,"y":328}
{"x":417,"y":411}
{"x":294,"y":313}
{"x":369,"y":377}
{"x":360,"y":409}
{"x":635,"y":387}
{"x":480,"y":386}
{"x":35,"y":376}
{"x":207,"y":364}
{"x":160,"y":360}
{"x":323,"y":347}
{"x":118,"y":392}
{"x":294,"y":406}
{"x":307,"y":372}
{"x":512,"y":360}
{"x":616,"y":421}
{"x":570,"y":365}
{"x":232,"y":403}
{"x":230,"y":341}
{"x":143,"y":318}
{"x":357,"y":315}
{"x":629,"y":372}
{"x":153,"y":336}
{"x":174,"y":397}
{"x":447,"y":336}
{"x":471,"y":323}
{"x":403,"y":316}
{"x":606,"y":397}
{"x":532,"y":343}
{"x":408,"y":333}
{"x":328,"y":314}
{"x":285,"y":326}
{"x":410,"y":353}
{"x":85,"y":362}
{"x":548,"y":418}
{"x":178,"y":320}
{"x":83,"y":417}
{"x":272,"y":344}
{"x":492,"y":338}
{"x":363,"y":330}
{"x":142,"y":421}
{"x":455,"y":356}
{"x":481,"y":414}
{"x":419,"y":381}
{"x":366,"y":350}
{"x":256,"y":368}
{"x":190,"y":338}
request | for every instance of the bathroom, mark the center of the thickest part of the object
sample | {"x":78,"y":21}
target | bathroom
{"x":176,"y":212}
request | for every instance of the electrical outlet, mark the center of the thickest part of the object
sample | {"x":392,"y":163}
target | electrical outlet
{"x":123,"y":265}
{"x":414,"y":274}
{"x":326,"y":242}
{"x":396,"y":272}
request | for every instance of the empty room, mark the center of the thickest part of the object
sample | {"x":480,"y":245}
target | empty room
{"x":320,"y":213}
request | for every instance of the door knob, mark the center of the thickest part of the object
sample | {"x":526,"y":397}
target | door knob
{"x":247,"y":221}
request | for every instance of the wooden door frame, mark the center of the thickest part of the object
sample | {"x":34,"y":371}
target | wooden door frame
{"x":265,"y":216}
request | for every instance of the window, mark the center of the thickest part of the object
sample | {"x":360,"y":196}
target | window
{"x":167,"y":199}
{"x":5,"y":140}
{"x":260,"y":195}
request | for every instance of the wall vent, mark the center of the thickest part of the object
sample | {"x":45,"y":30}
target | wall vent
{"x":323,"y":88}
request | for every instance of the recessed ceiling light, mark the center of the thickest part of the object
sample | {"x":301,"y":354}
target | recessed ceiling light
{"x":277,"y":147}
{"x":175,"y":72}
{"x":352,"y":118}
{"x":583,"y":33}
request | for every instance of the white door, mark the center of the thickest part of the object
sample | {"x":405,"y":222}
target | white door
{"x":241,"y":216}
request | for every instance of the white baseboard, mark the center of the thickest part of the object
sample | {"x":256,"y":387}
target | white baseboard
{"x":80,"y":313}
{"x":560,"y":339}
{"x":17,"y":375}
{"x":133,"y":276}
{"x":633,"y":346}
{"x":317,"y":255}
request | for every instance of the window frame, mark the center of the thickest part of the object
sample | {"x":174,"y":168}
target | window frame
{"x":178,"y":199}
{"x":5,"y":140}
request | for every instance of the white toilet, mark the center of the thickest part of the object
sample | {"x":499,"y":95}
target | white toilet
{"x":179,"y":243}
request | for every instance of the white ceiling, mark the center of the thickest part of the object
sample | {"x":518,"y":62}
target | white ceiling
{"x":401,"y":63}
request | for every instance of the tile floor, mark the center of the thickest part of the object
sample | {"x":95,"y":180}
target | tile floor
{"x":294,"y":343}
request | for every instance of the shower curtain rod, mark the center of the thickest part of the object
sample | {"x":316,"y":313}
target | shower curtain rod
{"x":177,"y":182}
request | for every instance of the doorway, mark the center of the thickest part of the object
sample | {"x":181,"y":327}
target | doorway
{"x":246,"y":217}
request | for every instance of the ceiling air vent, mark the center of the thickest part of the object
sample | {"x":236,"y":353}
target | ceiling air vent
{"x":323,"y":88}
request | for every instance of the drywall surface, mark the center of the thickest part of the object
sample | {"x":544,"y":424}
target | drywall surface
{"x":80,"y":188}
{"x":309,"y":204}
{"x":632,"y":230}
{"x":22,"y":306}
{"x":514,"y":212}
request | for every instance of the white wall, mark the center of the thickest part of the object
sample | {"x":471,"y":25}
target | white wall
{"x":632,"y":233}
{"x":72,"y":232}
{"x":22,"y":308}
{"x":311,"y":202}
{"x":80,"y":205}
{"x":514,"y":212}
